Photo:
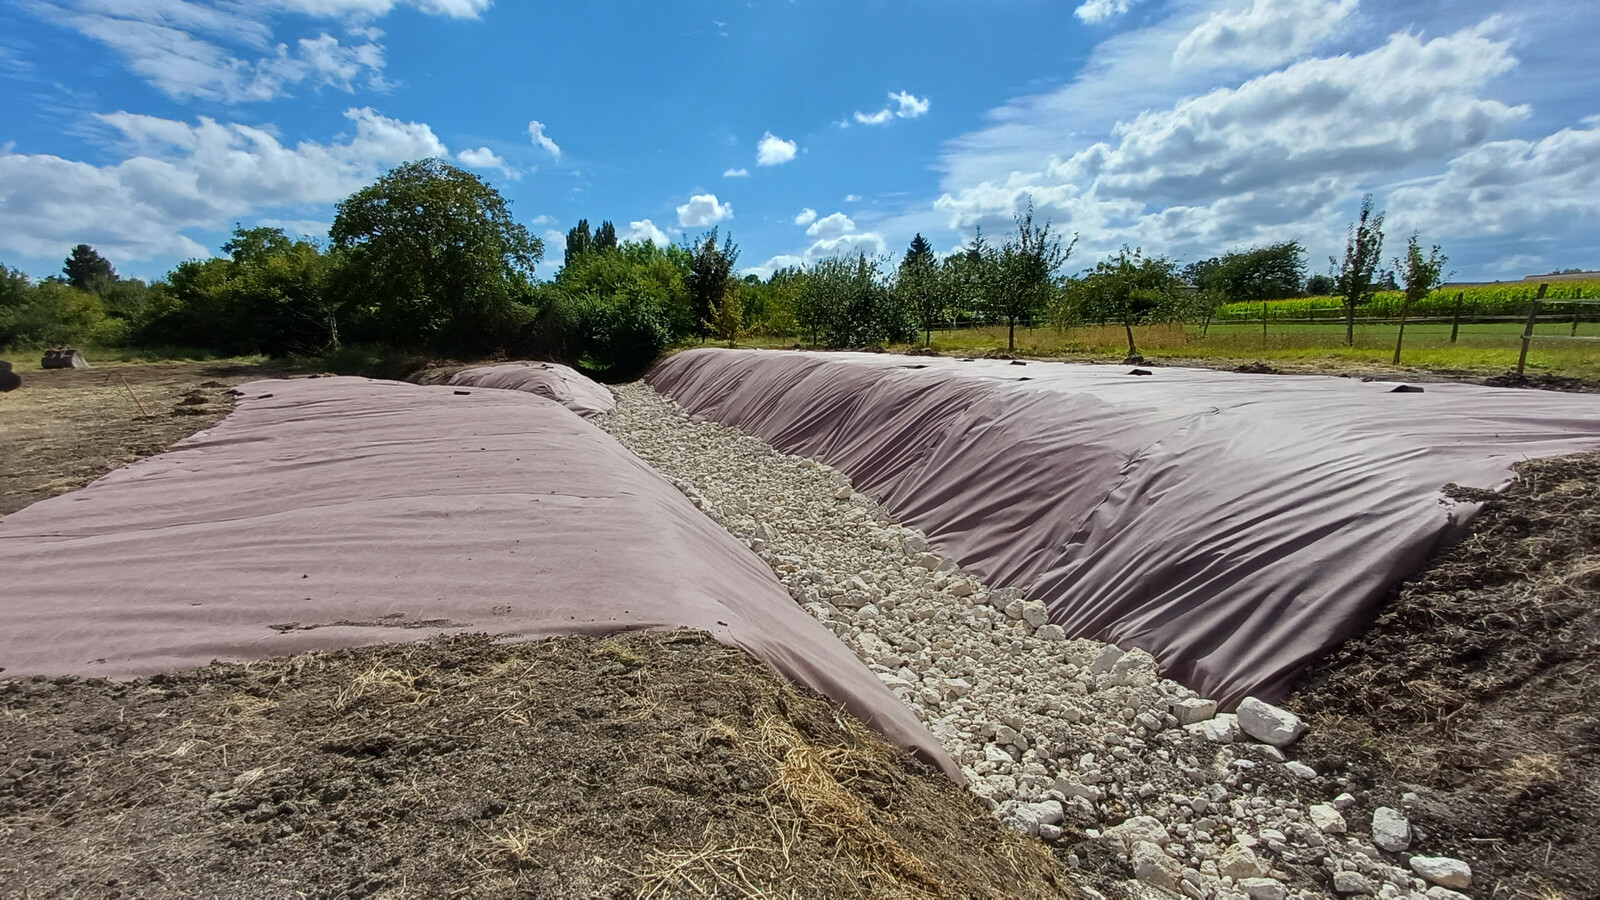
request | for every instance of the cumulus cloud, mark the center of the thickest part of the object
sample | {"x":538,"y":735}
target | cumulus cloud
{"x":831,"y":226}
{"x":645,"y":231}
{"x":736,"y":173}
{"x":540,"y":139}
{"x":184,"y":176}
{"x":774,"y":151}
{"x":230,"y":51}
{"x":1276,"y":157}
{"x":703,"y":210}
{"x":1265,"y":34}
{"x":781,"y":261}
{"x":1094,"y":11}
{"x":484,"y":158}
{"x":902,"y":105}
{"x":870,"y":243}
{"x":805,"y":216}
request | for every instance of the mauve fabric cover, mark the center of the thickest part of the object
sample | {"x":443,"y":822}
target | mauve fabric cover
{"x":1234,"y":526}
{"x":563,"y":384}
{"x":380,"y":511}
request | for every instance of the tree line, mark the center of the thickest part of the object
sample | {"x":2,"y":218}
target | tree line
{"x":428,"y":259}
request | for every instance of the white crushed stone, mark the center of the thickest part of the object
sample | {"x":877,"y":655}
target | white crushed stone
{"x":1056,"y":736}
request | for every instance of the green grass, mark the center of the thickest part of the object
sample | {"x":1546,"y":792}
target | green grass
{"x":28,"y":360}
{"x":1484,"y":349}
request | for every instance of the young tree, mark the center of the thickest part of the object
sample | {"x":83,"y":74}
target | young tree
{"x":433,"y":259}
{"x":86,"y":269}
{"x":710,"y":270}
{"x":1362,"y":251}
{"x":728,"y":325}
{"x":1131,"y":289}
{"x":1021,"y":281}
{"x":1421,"y":274}
{"x":920,"y":287}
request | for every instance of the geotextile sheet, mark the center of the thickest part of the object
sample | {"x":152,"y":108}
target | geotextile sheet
{"x":1234,"y":526}
{"x":335,"y":512}
{"x":553,"y":381}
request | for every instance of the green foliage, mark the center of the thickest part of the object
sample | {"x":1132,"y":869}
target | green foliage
{"x":1421,"y":273}
{"x":52,"y":313}
{"x":728,"y":322}
{"x":85,"y":268}
{"x":1128,"y":289}
{"x":1019,"y":285}
{"x":269,"y":295}
{"x":920,"y":289}
{"x":1356,"y":272}
{"x":1509,"y":299}
{"x":769,"y":306}
{"x":710,"y":270}
{"x":1256,"y":274}
{"x":432,"y":260}
{"x":845,"y":302}
{"x":579,"y":242}
{"x":615,"y":311}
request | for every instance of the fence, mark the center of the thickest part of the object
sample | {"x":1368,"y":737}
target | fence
{"x":1528,"y":336}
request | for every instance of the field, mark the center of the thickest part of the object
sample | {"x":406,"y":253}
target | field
{"x":1480,"y":350}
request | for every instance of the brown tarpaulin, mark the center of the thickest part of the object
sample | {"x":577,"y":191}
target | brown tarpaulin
{"x":341,"y":511}
{"x":1234,"y":526}
{"x":563,"y":384}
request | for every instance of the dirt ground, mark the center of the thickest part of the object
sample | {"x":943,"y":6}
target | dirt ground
{"x":65,"y":428}
{"x":1477,"y":689}
{"x":642,"y":765}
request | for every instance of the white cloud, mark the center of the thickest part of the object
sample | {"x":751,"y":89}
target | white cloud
{"x":645,"y":231}
{"x":1275,"y":158}
{"x":230,"y":52}
{"x":1093,"y":11}
{"x":484,"y":158}
{"x":1265,"y":34}
{"x":831,"y":226}
{"x":736,"y":173}
{"x":703,"y":210}
{"x":903,"y":105}
{"x":311,"y":228}
{"x":774,"y":151}
{"x":781,"y":261}
{"x":870,"y":243}
{"x":852,"y":198}
{"x":805,"y":216}
{"x":540,"y":139}
{"x":182,"y":176}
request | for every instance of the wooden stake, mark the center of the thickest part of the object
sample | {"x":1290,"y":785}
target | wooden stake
{"x":136,"y":402}
{"x":1527,"y":333}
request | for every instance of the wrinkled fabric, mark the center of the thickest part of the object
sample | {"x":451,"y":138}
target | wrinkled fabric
{"x":1236,"y":527}
{"x":553,"y":381}
{"x":337,"y":512}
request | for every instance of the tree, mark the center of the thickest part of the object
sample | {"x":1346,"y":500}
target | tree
{"x":1131,"y":289}
{"x":433,"y":260}
{"x":1020,"y":284}
{"x":1422,"y":274}
{"x":86,"y":268}
{"x":920,"y":287}
{"x":605,"y":237}
{"x":710,"y":270}
{"x":1319,"y":285}
{"x":728,"y":323}
{"x":579,"y":242}
{"x":1362,"y":251}
{"x":1259,"y":273}
{"x":614,"y":313}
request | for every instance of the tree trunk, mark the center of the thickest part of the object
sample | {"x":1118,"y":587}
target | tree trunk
{"x":1011,"y":337}
{"x":1132,"y":351}
{"x":1349,"y":323}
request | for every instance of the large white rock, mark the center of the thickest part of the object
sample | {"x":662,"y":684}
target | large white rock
{"x":1193,"y":709}
{"x":1326,"y":819}
{"x":1139,"y":828}
{"x":1443,"y":871}
{"x":1263,"y":888}
{"x":1390,"y":830}
{"x":1154,"y":867}
{"x":1268,"y":723}
{"x":1351,"y":883}
{"x":1223,"y":729}
{"x":1241,"y":862}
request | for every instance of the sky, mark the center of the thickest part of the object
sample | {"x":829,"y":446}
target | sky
{"x":805,"y":128}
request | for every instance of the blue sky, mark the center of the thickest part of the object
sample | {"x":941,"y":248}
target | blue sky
{"x":148,"y":128}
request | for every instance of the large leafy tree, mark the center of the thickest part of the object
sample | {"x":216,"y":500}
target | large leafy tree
{"x":579,"y":242}
{"x":1021,"y":284}
{"x":433,"y":260}
{"x":1129,"y":289}
{"x":710,"y":271}
{"x":920,"y":288}
{"x":86,"y":269}
{"x":1259,"y":273}
{"x":1355,"y":274}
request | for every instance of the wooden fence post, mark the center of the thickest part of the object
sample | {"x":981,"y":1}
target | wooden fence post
{"x":1527,"y":333}
{"x":1455,"y":323}
{"x":1577,"y":310}
{"x":1405,"y":307}
{"x":1263,"y":324}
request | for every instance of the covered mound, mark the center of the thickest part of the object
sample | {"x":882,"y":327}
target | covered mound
{"x":563,"y":384}
{"x":647,"y":764}
{"x":1234,"y":526}
{"x":337,"y":512}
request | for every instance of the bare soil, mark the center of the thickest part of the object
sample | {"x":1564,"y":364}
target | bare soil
{"x":643,"y":765}
{"x":66,"y":427}
{"x":1477,"y":689}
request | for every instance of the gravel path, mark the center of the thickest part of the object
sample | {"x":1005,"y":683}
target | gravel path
{"x":1131,"y":776}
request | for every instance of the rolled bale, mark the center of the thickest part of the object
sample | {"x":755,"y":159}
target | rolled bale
{"x":9,"y":380}
{"x":64,"y":358}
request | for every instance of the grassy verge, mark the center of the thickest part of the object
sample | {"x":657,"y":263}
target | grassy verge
{"x":1486,"y":349}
